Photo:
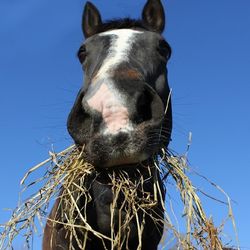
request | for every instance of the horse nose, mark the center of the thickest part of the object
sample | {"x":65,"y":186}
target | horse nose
{"x":116,"y":117}
{"x":109,"y":104}
{"x":122,"y":112}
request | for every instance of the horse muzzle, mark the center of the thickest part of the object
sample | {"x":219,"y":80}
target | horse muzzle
{"x":116,"y":124}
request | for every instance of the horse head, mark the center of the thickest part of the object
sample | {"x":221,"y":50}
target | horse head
{"x":122,"y":114}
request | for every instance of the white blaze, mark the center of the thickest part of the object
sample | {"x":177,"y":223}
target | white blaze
{"x":121,"y":44}
{"x":106,"y":99}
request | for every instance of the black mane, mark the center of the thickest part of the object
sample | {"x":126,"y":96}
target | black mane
{"x":123,"y":23}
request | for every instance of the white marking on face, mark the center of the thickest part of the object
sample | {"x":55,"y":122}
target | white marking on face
{"x":109,"y":103}
{"x":121,"y":44}
{"x":105,"y":98}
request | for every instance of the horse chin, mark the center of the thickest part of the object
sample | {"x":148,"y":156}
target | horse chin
{"x":118,"y":150}
{"x":130,"y":160}
{"x":118,"y":159}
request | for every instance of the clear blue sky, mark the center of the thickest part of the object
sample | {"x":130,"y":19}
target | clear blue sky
{"x":209,"y":73}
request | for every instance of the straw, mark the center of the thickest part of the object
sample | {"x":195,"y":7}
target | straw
{"x":67,"y":172}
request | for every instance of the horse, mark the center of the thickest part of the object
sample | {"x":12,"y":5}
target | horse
{"x":122,"y":116}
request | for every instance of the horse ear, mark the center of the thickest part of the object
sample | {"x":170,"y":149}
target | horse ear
{"x":91,"y":19}
{"x":153,"y":15}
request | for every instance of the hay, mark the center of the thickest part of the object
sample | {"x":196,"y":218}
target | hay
{"x":69,"y":170}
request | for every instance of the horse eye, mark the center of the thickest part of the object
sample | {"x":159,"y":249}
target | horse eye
{"x":164,"y":49}
{"x":82,"y":53}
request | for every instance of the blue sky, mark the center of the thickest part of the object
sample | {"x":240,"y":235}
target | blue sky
{"x":208,"y":73}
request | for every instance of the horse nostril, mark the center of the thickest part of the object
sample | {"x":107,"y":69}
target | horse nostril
{"x":144,"y":111}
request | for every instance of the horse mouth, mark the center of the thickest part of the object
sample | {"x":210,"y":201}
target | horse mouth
{"x":124,"y":147}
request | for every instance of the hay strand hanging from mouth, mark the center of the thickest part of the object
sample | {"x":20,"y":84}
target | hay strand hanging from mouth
{"x":69,"y":170}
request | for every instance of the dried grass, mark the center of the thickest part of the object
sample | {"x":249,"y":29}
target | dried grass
{"x":69,"y":170}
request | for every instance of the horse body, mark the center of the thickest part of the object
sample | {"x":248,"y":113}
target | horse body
{"x":122,"y":116}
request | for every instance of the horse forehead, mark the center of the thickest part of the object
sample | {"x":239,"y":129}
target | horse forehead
{"x":121,"y":43}
{"x":129,"y":36}
{"x":121,"y":40}
{"x":121,"y":33}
